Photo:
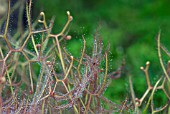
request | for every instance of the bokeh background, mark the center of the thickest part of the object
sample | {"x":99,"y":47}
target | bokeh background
{"x":130,"y":26}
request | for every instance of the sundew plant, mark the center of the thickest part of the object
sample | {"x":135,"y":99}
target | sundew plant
{"x":39,"y":75}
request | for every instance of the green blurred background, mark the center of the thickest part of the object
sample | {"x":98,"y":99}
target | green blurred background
{"x":130,"y":26}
